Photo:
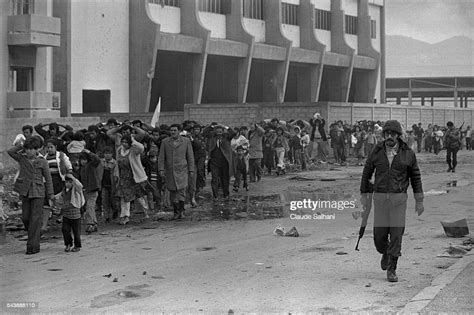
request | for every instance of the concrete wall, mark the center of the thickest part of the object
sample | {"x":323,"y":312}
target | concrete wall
{"x":292,"y":32}
{"x":10,"y":128}
{"x":350,"y":8}
{"x":256,"y":28}
{"x":168,"y":17}
{"x":4,"y":11}
{"x":245,"y":114}
{"x":100,"y":51}
{"x":215,"y":23}
{"x":374,"y":12}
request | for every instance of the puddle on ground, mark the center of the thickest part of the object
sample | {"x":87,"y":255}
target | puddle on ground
{"x":54,"y":269}
{"x":319,"y":249}
{"x":116,"y":297}
{"x":457,"y":183}
{"x":204,"y":249}
{"x":246,"y":207}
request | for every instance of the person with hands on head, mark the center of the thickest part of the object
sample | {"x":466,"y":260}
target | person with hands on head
{"x":176,"y":164}
{"x":33,"y":183}
{"x":395,"y":167}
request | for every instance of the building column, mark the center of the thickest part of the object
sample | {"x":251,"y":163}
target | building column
{"x":4,"y":64}
{"x":274,"y":36}
{"x":339,"y":45}
{"x":236,"y":31}
{"x":410,"y":94}
{"x":455,"y":92}
{"x":432,"y":101}
{"x":143,"y":42}
{"x":366,"y":89}
{"x":191,"y":25}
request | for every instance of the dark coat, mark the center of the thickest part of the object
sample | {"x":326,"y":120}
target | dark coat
{"x":394,"y":178}
{"x":225,"y":146}
{"x":90,"y":174}
{"x":321,"y":130}
{"x":176,"y":161}
{"x":30,"y":179}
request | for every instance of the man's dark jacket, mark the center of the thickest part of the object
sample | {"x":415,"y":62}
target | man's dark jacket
{"x":394,"y":178}
{"x":321,"y":130}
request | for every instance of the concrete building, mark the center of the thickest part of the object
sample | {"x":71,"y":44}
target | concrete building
{"x":454,"y":92}
{"x":123,"y":55}
{"x":28,"y":33}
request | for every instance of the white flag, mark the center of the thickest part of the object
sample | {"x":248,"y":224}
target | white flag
{"x":156,"y":114}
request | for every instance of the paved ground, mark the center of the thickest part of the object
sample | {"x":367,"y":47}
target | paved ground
{"x":211,"y":264}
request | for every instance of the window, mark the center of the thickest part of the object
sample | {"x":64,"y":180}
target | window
{"x":171,"y":3}
{"x":20,"y":79}
{"x":253,"y":9}
{"x":215,"y":6}
{"x":289,"y":13}
{"x":351,"y":24}
{"x":373,"y":29}
{"x":95,"y":101}
{"x":21,"y":7}
{"x":322,"y":19}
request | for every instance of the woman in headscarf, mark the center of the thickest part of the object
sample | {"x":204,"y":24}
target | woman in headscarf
{"x":130,"y":176}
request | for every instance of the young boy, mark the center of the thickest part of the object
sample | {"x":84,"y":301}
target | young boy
{"x":240,"y":169}
{"x":110,"y":211}
{"x":33,"y":180}
{"x":70,"y":201}
{"x":150,"y":163}
{"x":90,"y":179}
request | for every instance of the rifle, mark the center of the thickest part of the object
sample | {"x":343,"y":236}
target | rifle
{"x":366,"y":213}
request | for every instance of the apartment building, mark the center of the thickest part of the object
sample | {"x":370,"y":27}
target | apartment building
{"x":124,"y":55}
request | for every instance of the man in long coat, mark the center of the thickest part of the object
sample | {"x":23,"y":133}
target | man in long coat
{"x":220,"y":154}
{"x":175,"y":162}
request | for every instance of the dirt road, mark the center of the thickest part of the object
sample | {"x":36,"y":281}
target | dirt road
{"x":220,"y":261}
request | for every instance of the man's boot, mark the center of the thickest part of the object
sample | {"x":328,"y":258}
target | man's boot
{"x":450,"y":168}
{"x":176,"y":210}
{"x":384,"y":262}
{"x":391,"y":269}
{"x":181,"y":210}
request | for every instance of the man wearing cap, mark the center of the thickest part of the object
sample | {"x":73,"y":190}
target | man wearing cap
{"x":395,"y":166}
{"x":452,"y":142}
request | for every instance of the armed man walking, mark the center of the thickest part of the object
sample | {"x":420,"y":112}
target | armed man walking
{"x":395,"y":166}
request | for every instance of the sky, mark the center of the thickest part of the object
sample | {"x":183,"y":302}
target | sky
{"x":431,"y":21}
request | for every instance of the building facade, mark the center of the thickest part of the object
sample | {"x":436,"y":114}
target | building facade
{"x":124,"y":55}
{"x":28,"y":33}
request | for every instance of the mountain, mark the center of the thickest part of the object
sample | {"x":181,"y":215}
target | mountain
{"x":408,"y":57}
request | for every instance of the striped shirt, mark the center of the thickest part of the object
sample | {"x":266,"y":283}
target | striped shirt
{"x":53,"y":164}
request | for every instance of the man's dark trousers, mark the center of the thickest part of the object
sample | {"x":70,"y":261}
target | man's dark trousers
{"x":220,"y":174}
{"x":454,"y":159}
{"x":389,"y":222}
{"x":75,"y":226}
{"x":32,"y":216}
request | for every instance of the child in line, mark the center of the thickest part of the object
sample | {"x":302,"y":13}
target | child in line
{"x":109,"y":204}
{"x":70,"y":200}
{"x":240,"y":169}
{"x":90,"y":179}
{"x":150,"y":164}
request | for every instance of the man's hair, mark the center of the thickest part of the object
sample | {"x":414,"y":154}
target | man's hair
{"x":32,"y":143}
{"x":137,"y":121}
{"x":27,"y":127}
{"x":78,"y":136}
{"x":108,"y":149}
{"x":127,"y":127}
{"x":54,"y":126}
{"x":112,"y":121}
{"x":52,"y":141}
{"x":450,"y":124}
{"x":93,"y":128}
{"x":176,"y":125}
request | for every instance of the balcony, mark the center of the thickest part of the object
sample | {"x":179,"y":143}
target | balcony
{"x":33,"y":104}
{"x":34,"y":30}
